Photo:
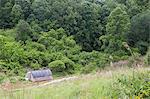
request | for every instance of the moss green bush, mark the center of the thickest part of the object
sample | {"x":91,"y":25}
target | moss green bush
{"x":57,"y":65}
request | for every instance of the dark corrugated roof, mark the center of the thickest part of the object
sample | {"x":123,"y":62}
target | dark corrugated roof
{"x":41,"y":73}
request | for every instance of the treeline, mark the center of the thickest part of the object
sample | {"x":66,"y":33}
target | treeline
{"x":69,"y":34}
{"x":87,"y":20}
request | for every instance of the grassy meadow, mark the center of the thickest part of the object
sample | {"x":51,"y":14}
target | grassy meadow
{"x":97,"y":85}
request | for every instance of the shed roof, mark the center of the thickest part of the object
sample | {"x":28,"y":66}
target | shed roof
{"x":41,"y":73}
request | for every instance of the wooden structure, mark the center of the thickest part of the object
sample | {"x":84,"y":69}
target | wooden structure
{"x":39,"y":75}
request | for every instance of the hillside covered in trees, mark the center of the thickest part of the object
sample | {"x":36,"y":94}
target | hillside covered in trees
{"x":71,"y":35}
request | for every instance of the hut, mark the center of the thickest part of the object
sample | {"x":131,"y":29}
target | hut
{"x":39,"y":75}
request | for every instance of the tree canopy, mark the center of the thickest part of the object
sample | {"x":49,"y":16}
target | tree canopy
{"x":69,"y":35}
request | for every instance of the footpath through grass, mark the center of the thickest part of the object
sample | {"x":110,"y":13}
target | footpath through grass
{"x":82,"y":88}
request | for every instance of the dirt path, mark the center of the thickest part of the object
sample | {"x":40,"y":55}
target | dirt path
{"x":8,"y":86}
{"x":57,"y":81}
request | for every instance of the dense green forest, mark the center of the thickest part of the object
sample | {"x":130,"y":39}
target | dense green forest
{"x":71,"y":35}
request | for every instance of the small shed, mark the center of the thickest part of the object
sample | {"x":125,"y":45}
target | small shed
{"x":39,"y":75}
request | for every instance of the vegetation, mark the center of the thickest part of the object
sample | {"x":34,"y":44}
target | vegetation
{"x":147,"y":58}
{"x":122,"y":83}
{"x":136,"y":84}
{"x":70,"y":36}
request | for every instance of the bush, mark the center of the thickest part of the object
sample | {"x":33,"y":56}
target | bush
{"x":89,"y":68}
{"x":135,"y":85}
{"x":57,"y":65}
{"x":35,"y":65}
{"x":2,"y":77}
{"x":69,"y":64}
{"x":99,"y":59}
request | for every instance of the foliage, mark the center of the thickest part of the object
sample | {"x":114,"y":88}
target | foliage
{"x":112,"y":44}
{"x":2,"y":77}
{"x":117,"y":26}
{"x":5,"y":16}
{"x":71,"y":35}
{"x":118,"y":22}
{"x":91,"y":86}
{"x":10,"y":54}
{"x":54,"y":49}
{"x":134,"y":85}
{"x":139,"y":34}
{"x":17,"y":13}
{"x":23,"y":31}
{"x":86,"y":20}
{"x":57,"y":65}
{"x":147,"y":58}
{"x":91,"y":61}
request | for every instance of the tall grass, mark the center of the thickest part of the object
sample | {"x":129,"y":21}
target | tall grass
{"x":133,"y":84}
{"x":93,"y":86}
{"x":83,"y":88}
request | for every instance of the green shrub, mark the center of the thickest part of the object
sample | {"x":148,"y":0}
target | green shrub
{"x":13,"y":79}
{"x":35,"y":65}
{"x":57,"y":65}
{"x":135,"y":85}
{"x":89,"y":68}
{"x":69,"y":64}
{"x":94,"y":57}
{"x":134,"y":60}
{"x":11,"y":33}
{"x":2,"y":77}
{"x":34,"y":45}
